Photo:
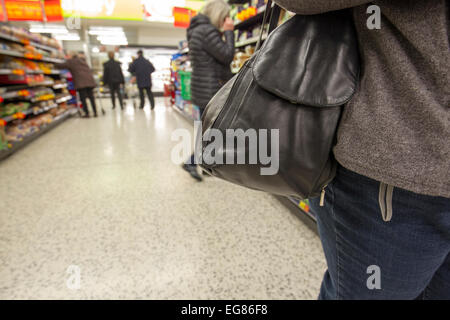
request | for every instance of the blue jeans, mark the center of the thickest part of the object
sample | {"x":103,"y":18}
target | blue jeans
{"x":191,"y":160}
{"x":405,"y":255}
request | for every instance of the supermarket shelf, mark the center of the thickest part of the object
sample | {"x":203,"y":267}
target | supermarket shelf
{"x":23,"y":72}
{"x":35,"y":111}
{"x":34,"y":44}
{"x":63,"y":99}
{"x":258,"y":18}
{"x":252,"y":40}
{"x":30,"y":111}
{"x":60,"y":86}
{"x":301,"y":206}
{"x":14,"y":94}
{"x":20,"y":144}
{"x":25,"y":94}
{"x":11,"y":71}
{"x":34,"y":72}
{"x":22,"y":93}
{"x":11,"y":53}
{"x":21,"y":55}
{"x":293,"y":207}
{"x":40,"y":84}
{"x":40,"y":100}
{"x":8,"y":118}
{"x":184,"y":114}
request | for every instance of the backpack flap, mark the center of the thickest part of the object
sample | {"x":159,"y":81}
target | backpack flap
{"x":310,"y":60}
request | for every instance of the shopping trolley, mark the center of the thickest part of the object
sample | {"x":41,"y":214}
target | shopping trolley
{"x":131,"y":91}
{"x":97,"y":98}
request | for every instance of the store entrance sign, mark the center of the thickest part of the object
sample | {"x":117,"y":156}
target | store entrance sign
{"x":24,"y":10}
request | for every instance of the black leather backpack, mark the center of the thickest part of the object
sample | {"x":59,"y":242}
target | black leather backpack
{"x":298,"y":83}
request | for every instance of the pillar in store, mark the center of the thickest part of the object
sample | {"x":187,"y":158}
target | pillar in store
{"x":86,"y":45}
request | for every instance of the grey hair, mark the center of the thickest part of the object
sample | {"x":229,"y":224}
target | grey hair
{"x":216,"y":11}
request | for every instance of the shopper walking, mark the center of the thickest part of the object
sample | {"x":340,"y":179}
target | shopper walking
{"x":113,"y":78}
{"x":83,"y":80}
{"x":210,"y":57}
{"x":385,"y":225}
{"x":142,"y":69}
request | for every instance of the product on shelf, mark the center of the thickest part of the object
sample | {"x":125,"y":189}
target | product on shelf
{"x":17,"y":132}
{"x":3,"y":139}
{"x":242,"y":12}
{"x":239,"y":59}
{"x":13,"y":107}
{"x":25,"y":36}
{"x":28,"y":108}
{"x":20,"y":129}
{"x":35,"y":80}
{"x":43,"y":93}
{"x":59,"y":84}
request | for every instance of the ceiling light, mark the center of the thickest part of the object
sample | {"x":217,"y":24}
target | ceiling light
{"x":67,"y":37}
{"x":112,"y":31}
{"x":53,"y":29}
{"x":113,"y":40}
{"x":100,"y":38}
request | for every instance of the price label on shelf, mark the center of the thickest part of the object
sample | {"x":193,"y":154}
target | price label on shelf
{"x":29,"y":55}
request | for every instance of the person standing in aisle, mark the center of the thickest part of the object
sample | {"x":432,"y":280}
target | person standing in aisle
{"x":113,"y":78}
{"x":83,"y":80}
{"x":142,"y":69}
{"x":210,"y":57}
{"x":385,"y":223}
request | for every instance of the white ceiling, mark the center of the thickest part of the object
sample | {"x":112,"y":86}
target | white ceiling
{"x":137,"y":32}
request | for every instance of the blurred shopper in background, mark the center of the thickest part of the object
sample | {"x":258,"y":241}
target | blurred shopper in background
{"x":142,"y":69}
{"x":211,"y":57}
{"x":113,"y":78}
{"x":83,"y":80}
{"x":385,"y":226}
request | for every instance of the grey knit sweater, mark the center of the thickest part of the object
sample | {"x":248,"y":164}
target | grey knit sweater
{"x":396,"y":129}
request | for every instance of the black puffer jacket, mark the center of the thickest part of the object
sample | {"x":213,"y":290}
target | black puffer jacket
{"x":210,"y":57}
{"x":112,"y":73}
{"x":142,"y":69}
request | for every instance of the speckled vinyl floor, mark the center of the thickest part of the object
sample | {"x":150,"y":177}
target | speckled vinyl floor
{"x":102,"y":197}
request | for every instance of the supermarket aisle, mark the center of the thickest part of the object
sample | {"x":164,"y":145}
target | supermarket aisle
{"x":103,"y":195}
